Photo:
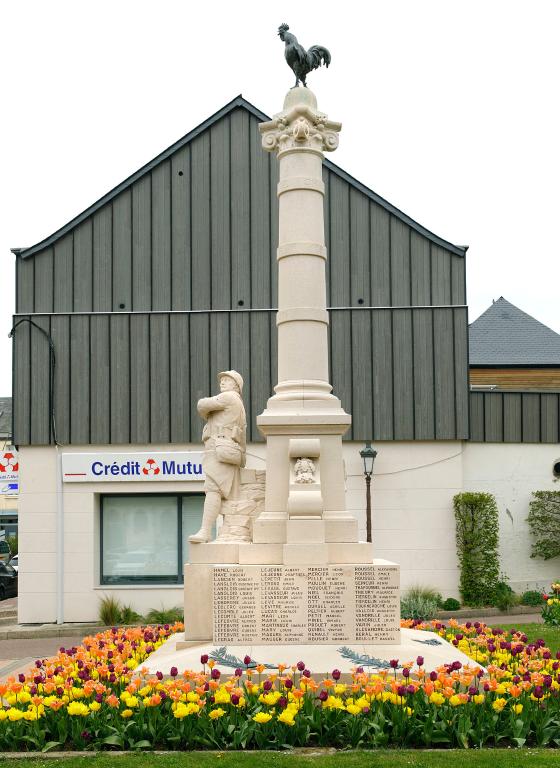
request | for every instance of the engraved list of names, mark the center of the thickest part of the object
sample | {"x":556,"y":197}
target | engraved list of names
{"x":283,"y":604}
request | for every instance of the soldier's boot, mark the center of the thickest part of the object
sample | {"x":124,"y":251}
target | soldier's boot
{"x":212,"y":506}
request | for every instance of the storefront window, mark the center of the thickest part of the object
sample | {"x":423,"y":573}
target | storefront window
{"x":142,"y":537}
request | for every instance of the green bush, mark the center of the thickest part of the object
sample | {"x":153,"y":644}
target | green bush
{"x":451,"y":604}
{"x":13,"y":544}
{"x":420,"y":603}
{"x":504,"y":596}
{"x":476,"y":518}
{"x":532,"y":597}
{"x":109,"y":611}
{"x":164,"y":615}
{"x":544,"y":523}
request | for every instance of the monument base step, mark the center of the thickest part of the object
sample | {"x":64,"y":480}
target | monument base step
{"x":320,"y":659}
{"x":309,"y":553}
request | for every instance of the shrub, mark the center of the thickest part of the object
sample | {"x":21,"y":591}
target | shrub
{"x":109,"y":611}
{"x":164,"y":615}
{"x":451,"y":604}
{"x":551,"y":610}
{"x":532,"y":597}
{"x":476,"y":518}
{"x":13,"y":544}
{"x":129,"y":615}
{"x":420,"y":603}
{"x":504,"y":596}
{"x":544,"y":523}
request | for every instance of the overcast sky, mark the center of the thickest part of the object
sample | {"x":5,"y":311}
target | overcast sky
{"x":449,"y":111}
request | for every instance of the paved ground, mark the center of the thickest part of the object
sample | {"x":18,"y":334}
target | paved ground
{"x":498,"y":621}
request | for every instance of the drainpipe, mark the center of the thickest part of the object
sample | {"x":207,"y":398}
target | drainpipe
{"x":59,"y":540}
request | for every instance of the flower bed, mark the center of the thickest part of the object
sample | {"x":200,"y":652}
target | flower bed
{"x":87,"y":698}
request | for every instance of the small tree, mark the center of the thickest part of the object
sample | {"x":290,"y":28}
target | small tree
{"x":476,"y":518}
{"x":544,"y":522}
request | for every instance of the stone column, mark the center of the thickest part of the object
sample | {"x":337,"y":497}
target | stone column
{"x":303,"y":415}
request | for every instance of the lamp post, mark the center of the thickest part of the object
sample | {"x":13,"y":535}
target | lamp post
{"x":368,"y":455}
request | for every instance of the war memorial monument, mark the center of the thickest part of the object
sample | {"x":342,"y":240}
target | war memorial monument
{"x":286,"y":567}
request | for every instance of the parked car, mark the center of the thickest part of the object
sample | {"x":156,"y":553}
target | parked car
{"x":14,"y":562}
{"x":8,"y":581}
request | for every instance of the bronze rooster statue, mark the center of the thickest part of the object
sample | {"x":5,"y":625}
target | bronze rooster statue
{"x":302,"y":62}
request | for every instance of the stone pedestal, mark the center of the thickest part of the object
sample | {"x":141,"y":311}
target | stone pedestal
{"x":301,"y":604}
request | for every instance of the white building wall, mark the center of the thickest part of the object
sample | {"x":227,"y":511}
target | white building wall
{"x":512,"y":473}
{"x":413,"y":523}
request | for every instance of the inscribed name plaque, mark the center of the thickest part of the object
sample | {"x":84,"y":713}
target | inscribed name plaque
{"x":282,"y":604}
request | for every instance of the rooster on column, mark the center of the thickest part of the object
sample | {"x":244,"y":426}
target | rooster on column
{"x":302,"y":62}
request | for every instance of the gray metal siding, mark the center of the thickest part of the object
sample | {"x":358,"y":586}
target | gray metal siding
{"x":198,"y":231}
{"x":515,"y":417}
{"x":136,"y":377}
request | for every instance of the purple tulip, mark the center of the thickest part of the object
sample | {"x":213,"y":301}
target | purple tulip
{"x":401,"y":690}
{"x":215,"y":674}
{"x":538,"y":692}
{"x":410,"y":689}
{"x":323,"y":696}
{"x":306,"y":673}
{"x":267,"y":685}
{"x":282,"y":702}
{"x":159,"y":675}
{"x":173,"y":671}
{"x":238,"y":672}
{"x":420,"y":661}
{"x":235,"y":698}
{"x":433,"y":676}
{"x":21,"y":677}
{"x":336,"y":673}
{"x":247,"y":660}
{"x":204,"y":658}
{"x":394,"y":663}
{"x":288,"y":683}
{"x":300,"y":665}
{"x":365,"y":710}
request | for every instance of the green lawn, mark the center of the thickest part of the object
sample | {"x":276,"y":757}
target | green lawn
{"x":488,"y":758}
{"x":551,"y":635}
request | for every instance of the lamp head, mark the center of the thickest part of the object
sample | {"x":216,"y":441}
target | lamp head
{"x":368,"y":455}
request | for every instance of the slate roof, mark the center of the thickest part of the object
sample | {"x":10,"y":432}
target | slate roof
{"x":505,"y":335}
{"x":5,"y":416}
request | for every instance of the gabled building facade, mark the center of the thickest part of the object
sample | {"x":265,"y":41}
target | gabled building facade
{"x":170,"y":278}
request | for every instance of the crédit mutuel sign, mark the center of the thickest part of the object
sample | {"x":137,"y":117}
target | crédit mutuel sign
{"x":131,"y":467}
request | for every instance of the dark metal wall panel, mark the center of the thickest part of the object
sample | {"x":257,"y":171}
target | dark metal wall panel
{"x":181,"y":229}
{"x":441,"y":276}
{"x":161,"y":236}
{"x":515,"y":417}
{"x":122,"y":251}
{"x":44,"y":281}
{"x":160,"y":431}
{"x":142,"y":244}
{"x":360,"y":273}
{"x":513,"y":422}
{"x":80,"y":379}
{"x":63,"y":274}
{"x":120,"y":378}
{"x":180,"y":378}
{"x":362,"y":398}
{"x":220,"y":189}
{"x":400,"y":263}
{"x":140,"y":350}
{"x":100,"y":408}
{"x":21,"y":349}
{"x":476,"y":403}
{"x":25,"y":282}
{"x":382,"y":374}
{"x":444,"y":379}
{"x":102,"y":260}
{"x":261,"y":381}
{"x":380,"y":223}
{"x":550,"y":418}
{"x":423,"y":364}
{"x":403,"y":375}
{"x":60,"y":332}
{"x":240,"y":206}
{"x":458,"y":289}
{"x":420,"y":274}
{"x":39,"y":384}
{"x":461,"y":354}
{"x":83,"y":267}
{"x":201,"y":384}
{"x":262,"y":264}
{"x":530,"y":403}
{"x":201,"y":286}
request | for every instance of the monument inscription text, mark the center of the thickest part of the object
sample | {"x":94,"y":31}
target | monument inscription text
{"x":321,"y":605}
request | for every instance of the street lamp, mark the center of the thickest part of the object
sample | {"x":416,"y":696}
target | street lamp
{"x":368,"y":457}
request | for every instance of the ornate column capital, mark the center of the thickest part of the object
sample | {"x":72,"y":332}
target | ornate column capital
{"x":300,"y":127}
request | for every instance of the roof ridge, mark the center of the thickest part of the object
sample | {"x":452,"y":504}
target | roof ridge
{"x":237,"y":102}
